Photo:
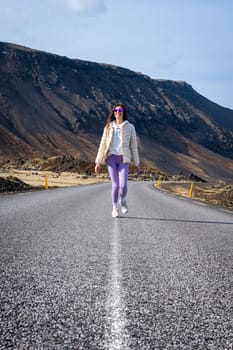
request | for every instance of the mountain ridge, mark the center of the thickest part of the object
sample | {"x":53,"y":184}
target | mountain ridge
{"x":54,"y":105}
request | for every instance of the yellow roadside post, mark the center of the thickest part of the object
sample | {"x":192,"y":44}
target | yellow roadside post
{"x":159,"y":183}
{"x":191,"y":190}
{"x":46,"y":182}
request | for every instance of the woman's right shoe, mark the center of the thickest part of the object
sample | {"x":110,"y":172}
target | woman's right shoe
{"x":115,"y":212}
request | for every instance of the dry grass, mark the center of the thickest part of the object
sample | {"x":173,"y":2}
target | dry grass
{"x":63,"y":179}
{"x":219,"y":194}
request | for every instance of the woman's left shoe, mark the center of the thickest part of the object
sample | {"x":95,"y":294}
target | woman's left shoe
{"x":124,"y":206}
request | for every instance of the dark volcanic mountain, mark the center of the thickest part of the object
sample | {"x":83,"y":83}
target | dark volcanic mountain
{"x":53,"y":105}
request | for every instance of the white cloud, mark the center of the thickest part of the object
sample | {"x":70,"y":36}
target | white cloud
{"x":84,"y":7}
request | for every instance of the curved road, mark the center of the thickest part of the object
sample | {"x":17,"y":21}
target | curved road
{"x":72,"y":277}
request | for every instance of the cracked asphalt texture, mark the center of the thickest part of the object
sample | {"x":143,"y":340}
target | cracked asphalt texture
{"x":72,"y":277}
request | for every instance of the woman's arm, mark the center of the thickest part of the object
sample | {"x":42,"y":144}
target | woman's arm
{"x":134,"y":146}
{"x":102,"y":147}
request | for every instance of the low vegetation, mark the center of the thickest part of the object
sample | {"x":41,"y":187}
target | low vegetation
{"x":220,"y":193}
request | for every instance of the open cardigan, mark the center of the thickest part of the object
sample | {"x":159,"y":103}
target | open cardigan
{"x":129,"y":144}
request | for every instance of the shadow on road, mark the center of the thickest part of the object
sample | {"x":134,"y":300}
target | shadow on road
{"x":177,"y":220}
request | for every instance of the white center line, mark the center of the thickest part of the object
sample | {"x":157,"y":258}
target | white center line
{"x":116,"y":336}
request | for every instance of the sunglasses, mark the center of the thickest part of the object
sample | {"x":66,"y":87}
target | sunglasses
{"x":120,"y":110}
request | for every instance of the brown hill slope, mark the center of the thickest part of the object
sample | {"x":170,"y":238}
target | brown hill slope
{"x":53,"y":105}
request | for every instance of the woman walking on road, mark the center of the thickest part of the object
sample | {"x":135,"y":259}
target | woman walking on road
{"x":118,"y":144}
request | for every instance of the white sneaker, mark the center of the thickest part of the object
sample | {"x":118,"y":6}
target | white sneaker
{"x":115,"y":212}
{"x":124,"y":206}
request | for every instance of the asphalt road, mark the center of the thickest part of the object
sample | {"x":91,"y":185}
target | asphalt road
{"x":72,"y":277}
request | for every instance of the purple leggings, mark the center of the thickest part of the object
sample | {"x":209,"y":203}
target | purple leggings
{"x":118,"y":172}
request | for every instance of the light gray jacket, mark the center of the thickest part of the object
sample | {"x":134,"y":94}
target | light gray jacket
{"x":129,"y":144}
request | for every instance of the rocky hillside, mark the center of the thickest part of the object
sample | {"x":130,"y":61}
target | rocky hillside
{"x":52,"y":105}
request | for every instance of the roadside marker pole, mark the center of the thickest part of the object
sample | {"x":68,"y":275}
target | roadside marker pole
{"x":191,"y":190}
{"x":46,"y":182}
{"x":159,"y":183}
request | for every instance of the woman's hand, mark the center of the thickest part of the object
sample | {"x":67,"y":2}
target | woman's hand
{"x":97,"y":169}
{"x":137,"y":167}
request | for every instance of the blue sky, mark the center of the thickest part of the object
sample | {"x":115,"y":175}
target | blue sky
{"x":188,"y":40}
